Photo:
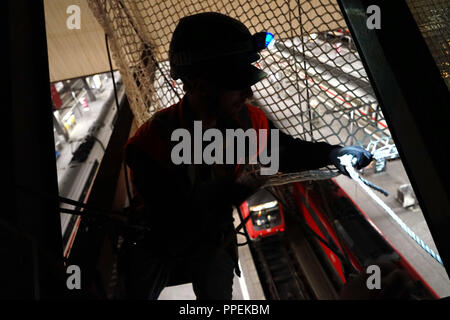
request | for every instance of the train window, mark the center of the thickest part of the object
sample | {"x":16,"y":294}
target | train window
{"x":265,"y":217}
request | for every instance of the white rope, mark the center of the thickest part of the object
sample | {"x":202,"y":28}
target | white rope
{"x":346,"y":160}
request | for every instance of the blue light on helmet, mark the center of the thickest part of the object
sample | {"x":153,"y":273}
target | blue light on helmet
{"x":269,"y":38}
{"x":262,"y":40}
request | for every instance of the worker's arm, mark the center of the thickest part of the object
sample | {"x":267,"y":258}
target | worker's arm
{"x":298,"y":155}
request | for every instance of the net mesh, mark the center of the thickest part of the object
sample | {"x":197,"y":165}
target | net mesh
{"x":317,"y":88}
{"x":433,"y":18}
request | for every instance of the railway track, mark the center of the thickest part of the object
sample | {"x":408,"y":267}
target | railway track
{"x":278,"y":269}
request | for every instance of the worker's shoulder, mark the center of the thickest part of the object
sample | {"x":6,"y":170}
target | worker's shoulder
{"x":253,"y":110}
{"x":257,"y":116}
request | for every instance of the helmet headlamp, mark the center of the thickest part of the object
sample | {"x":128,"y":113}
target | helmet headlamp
{"x":262,"y":40}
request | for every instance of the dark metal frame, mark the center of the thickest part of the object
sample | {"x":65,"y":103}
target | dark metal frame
{"x":415,"y":101}
{"x":37,"y":271}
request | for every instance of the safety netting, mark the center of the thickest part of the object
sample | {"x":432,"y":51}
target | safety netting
{"x":317,"y":88}
{"x":433,"y":19}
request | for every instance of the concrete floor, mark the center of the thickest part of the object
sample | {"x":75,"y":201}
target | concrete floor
{"x":185,"y":292}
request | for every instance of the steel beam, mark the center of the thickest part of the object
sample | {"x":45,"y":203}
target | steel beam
{"x":415,"y":102}
{"x":33,"y":263}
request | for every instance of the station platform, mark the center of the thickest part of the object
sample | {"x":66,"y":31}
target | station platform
{"x":86,"y":119}
{"x":391,"y":179}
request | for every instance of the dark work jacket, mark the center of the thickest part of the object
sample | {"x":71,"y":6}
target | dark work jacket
{"x":185,"y":205}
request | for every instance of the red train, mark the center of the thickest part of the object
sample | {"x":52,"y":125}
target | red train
{"x":266,"y":215}
{"x":342,"y":234}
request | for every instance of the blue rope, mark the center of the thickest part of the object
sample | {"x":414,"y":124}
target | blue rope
{"x":346,"y":161}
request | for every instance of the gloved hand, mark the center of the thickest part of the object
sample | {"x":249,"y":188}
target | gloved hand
{"x":362,"y":157}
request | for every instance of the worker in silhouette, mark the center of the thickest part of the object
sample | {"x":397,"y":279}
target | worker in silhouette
{"x":188,"y":206}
